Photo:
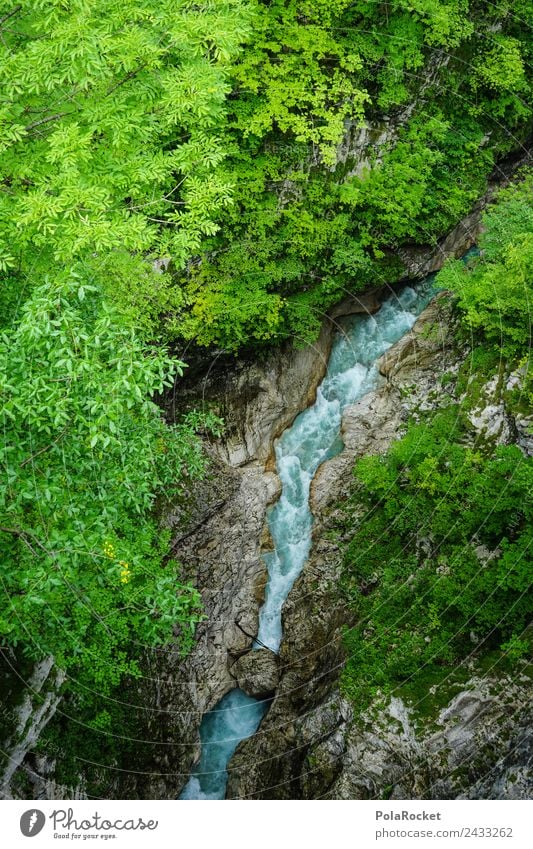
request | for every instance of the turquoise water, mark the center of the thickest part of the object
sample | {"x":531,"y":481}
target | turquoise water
{"x":235,"y":718}
{"x":313,"y":437}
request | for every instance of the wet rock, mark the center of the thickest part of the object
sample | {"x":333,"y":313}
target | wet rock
{"x":364,"y":304}
{"x":259,"y":399}
{"x":419,"y":348}
{"x":257,"y":673}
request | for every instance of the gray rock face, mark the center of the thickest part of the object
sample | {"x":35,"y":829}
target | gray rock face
{"x":524,"y":434}
{"x":476,"y":747}
{"x":363,"y":145}
{"x":257,"y":673}
{"x":492,"y":422}
{"x":219,"y":537}
{"x":259,"y":399}
{"x":220,"y":547}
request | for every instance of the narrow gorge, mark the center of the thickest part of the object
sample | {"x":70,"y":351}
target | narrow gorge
{"x":312,"y":439}
{"x":266,"y":400}
{"x":254,"y":711}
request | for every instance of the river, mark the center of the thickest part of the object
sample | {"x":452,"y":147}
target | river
{"x":314,"y":436}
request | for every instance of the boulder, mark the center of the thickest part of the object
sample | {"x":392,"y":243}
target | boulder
{"x":257,"y":673}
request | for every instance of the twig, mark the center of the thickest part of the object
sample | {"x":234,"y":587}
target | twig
{"x":15,"y":11}
{"x":55,"y":117}
{"x":46,"y":448}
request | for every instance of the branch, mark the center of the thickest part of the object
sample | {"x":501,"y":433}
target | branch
{"x":15,"y":11}
{"x":126,"y":78}
{"x":42,"y":450}
{"x":55,"y":117}
{"x":21,"y":536}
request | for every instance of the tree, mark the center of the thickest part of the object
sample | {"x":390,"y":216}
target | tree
{"x":109,"y":129}
{"x":312,"y":218}
{"x":84,"y":454}
{"x":110,"y":157}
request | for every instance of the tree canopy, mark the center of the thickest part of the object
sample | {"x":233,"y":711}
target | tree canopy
{"x":111,"y":156}
{"x":109,"y":126}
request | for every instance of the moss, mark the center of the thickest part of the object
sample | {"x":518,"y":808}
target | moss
{"x":432,"y":332}
{"x":21,"y":785}
{"x":479,"y":367}
{"x":429,"y":692}
{"x":447,"y":378}
{"x":407,"y":390}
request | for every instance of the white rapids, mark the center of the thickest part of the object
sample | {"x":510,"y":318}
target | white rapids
{"x":313,"y":437}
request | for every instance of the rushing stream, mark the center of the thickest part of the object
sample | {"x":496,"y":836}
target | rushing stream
{"x":313,"y":437}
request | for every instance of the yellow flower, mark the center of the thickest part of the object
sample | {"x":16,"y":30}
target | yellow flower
{"x":109,"y":549}
{"x":125,"y":572}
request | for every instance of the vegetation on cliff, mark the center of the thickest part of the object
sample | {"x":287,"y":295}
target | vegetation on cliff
{"x":438,"y":569}
{"x":444,"y":87}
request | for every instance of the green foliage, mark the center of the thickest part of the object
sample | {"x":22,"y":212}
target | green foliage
{"x":111,"y":170}
{"x":438,"y":566}
{"x":446,"y":24}
{"x":502,"y":66}
{"x":495,"y":295}
{"x":439,"y":562}
{"x":84,"y":454}
{"x":111,"y":157}
{"x":108,"y":125}
{"x":154,"y":136}
{"x":160,"y":182}
{"x":411,"y":196}
{"x":306,"y":227}
{"x":300,"y":75}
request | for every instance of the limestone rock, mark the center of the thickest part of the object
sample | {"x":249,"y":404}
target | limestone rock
{"x":492,"y":422}
{"x":310,"y":746}
{"x":257,"y":673}
{"x":366,"y":303}
{"x":419,"y":348}
{"x":477,"y":747}
{"x":257,"y":398}
{"x":39,"y":703}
